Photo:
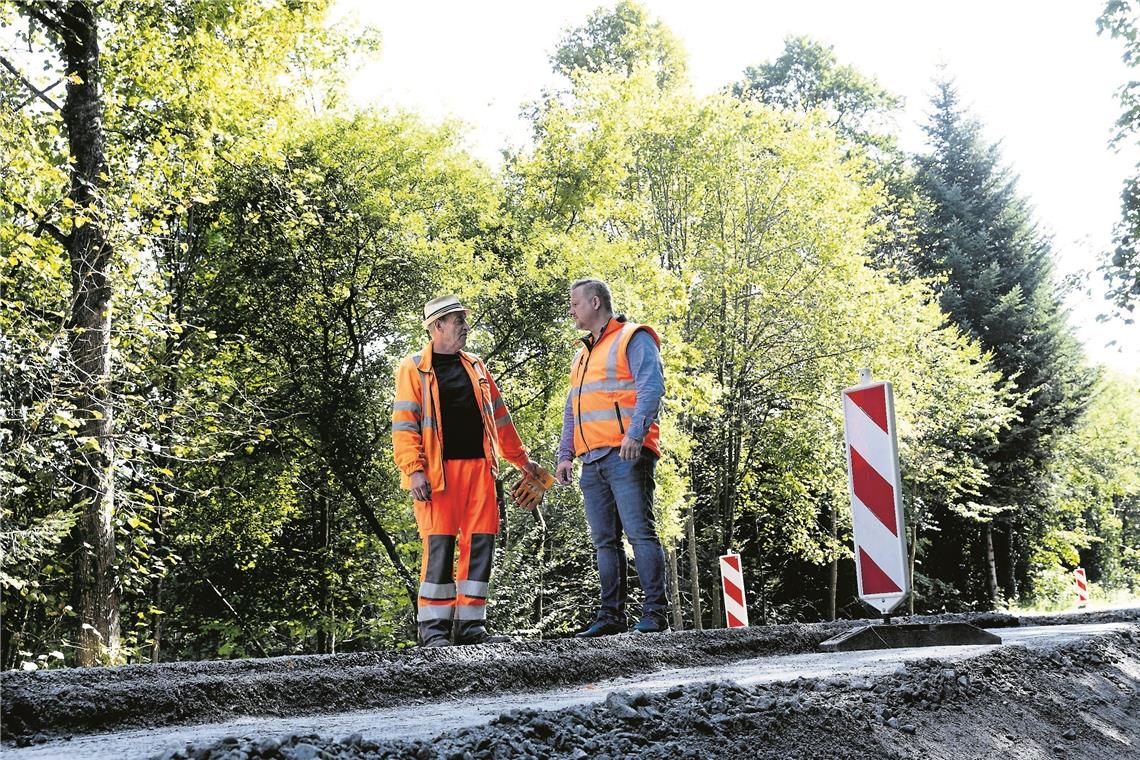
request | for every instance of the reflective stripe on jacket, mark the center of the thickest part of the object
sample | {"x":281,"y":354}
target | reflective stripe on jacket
{"x":417,"y":431}
{"x":603,"y":392}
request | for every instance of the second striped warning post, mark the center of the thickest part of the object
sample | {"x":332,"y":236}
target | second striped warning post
{"x":876,"y":493}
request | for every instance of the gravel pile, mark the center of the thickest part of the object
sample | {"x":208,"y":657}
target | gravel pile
{"x":1077,"y":701}
{"x":49,"y":704}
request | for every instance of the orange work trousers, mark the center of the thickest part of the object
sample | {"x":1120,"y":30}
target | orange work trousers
{"x":465,"y":508}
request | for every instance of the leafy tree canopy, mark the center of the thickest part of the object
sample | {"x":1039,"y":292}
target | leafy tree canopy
{"x":622,"y":38}
{"x":1121,"y":266}
{"x":808,"y":75}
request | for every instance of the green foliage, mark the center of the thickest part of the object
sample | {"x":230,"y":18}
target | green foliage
{"x":168,"y":128}
{"x":978,"y":233}
{"x":622,"y":39}
{"x":1121,"y":266}
{"x":1096,"y":487}
{"x":808,"y":76}
{"x":271,"y":254}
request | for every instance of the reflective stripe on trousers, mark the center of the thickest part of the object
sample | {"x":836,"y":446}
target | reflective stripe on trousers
{"x":464,"y":513}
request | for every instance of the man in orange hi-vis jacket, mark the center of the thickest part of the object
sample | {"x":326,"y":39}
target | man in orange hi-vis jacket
{"x":449,"y":428}
{"x":610,"y":424}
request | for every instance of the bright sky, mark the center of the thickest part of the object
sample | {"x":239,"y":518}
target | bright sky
{"x":1035,"y":73}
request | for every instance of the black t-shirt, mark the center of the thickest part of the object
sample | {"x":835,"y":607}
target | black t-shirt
{"x":459,"y":408}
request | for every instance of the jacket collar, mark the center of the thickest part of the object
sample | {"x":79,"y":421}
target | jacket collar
{"x":612,"y":326}
{"x":425,"y":357}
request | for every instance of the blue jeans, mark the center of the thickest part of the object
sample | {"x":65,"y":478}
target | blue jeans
{"x":619,"y":496}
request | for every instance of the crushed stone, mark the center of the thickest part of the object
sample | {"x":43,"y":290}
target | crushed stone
{"x":1011,"y":703}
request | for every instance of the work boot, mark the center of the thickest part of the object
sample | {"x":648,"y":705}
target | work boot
{"x":651,"y":624}
{"x":475,"y":632}
{"x":434,"y":633}
{"x":485,"y":637}
{"x":601,"y":628}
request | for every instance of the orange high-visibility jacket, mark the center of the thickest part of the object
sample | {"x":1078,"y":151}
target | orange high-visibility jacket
{"x":603,"y":394}
{"x":417,"y":432}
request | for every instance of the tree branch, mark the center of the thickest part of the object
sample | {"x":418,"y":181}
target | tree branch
{"x":369,"y":516}
{"x":33,"y":97}
{"x":30,"y":9}
{"x":41,"y":94}
{"x":245,"y":629}
{"x":42,"y":224}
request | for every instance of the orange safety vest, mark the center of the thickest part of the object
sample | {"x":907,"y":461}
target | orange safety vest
{"x":602,"y":391}
{"x":417,"y":430}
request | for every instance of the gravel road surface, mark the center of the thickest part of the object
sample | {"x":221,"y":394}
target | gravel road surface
{"x":411,"y":715}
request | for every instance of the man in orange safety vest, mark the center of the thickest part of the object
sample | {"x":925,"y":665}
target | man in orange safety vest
{"x":610,"y":423}
{"x":449,"y":428}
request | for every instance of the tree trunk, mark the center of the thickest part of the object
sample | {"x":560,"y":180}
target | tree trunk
{"x":545,"y":561}
{"x":157,"y":588}
{"x":322,"y":530}
{"x":833,"y":579}
{"x":1011,"y":563}
{"x":97,"y":596}
{"x":991,"y":566}
{"x":694,"y":570}
{"x":717,"y":613}
{"x":913,"y":561}
{"x":674,"y":589}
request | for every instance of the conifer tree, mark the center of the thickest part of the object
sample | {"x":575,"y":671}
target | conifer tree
{"x":980,"y":234}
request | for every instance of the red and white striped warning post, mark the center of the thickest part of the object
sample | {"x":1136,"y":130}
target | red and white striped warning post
{"x":735,"y":611}
{"x":1082,"y":584}
{"x":876,"y":493}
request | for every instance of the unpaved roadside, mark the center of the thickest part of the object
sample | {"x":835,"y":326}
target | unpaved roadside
{"x":427,"y":720}
{"x":44,"y":705}
{"x":1079,"y":700}
{"x":81,"y":700}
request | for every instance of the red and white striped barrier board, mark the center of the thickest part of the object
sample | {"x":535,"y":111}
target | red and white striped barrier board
{"x":735,"y":611}
{"x":876,"y":493}
{"x":1082,"y":585}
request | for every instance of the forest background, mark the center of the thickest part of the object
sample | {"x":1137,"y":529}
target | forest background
{"x":210,"y":265}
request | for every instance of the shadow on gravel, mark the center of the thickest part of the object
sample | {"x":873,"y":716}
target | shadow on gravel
{"x":48,"y":704}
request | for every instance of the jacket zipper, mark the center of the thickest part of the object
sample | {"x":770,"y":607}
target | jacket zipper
{"x":488,"y":422}
{"x":434,"y":401}
{"x":581,"y":378}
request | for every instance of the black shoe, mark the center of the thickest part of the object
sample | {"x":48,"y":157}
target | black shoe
{"x":475,"y":632}
{"x":601,"y":628}
{"x":438,"y":641}
{"x":484,"y":637}
{"x":651,"y":624}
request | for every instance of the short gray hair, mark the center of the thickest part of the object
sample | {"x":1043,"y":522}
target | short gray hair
{"x":596,"y":288}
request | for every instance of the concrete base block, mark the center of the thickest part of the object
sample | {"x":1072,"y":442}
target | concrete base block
{"x":909,"y":635}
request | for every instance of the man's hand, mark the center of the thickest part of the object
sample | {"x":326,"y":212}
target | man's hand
{"x":564,"y":472}
{"x":533,"y":468}
{"x":630,"y":448}
{"x":421,"y":488}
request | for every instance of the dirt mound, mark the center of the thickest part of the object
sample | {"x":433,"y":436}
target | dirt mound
{"x":54,"y":703}
{"x":48,"y":704}
{"x":1077,"y":701}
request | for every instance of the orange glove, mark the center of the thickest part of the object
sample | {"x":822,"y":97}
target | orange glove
{"x":529,"y":491}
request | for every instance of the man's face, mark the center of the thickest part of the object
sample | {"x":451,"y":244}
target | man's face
{"x":450,"y":333}
{"x":583,"y":310}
